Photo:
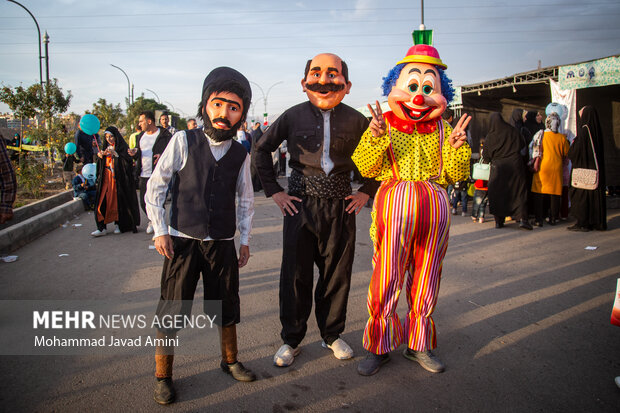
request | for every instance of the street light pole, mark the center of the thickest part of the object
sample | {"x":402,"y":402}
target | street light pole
{"x":171,"y":105}
{"x":38,"y":40}
{"x":129,"y":99}
{"x":265,"y":96}
{"x":158,"y":101}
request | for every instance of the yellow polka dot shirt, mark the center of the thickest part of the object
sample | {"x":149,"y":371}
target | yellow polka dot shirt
{"x":417,"y":156}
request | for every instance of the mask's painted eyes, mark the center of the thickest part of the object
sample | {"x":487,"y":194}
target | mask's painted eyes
{"x":413,"y":88}
{"x":427,"y":89}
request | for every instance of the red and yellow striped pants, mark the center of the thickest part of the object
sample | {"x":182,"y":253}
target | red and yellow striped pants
{"x":411,"y":223}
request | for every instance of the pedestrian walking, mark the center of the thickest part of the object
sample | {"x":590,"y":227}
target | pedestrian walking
{"x":116,"y":199}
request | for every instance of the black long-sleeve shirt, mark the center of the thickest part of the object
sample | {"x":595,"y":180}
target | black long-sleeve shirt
{"x":302,"y":127}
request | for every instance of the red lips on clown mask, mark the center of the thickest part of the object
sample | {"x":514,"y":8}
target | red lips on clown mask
{"x":416,"y":96}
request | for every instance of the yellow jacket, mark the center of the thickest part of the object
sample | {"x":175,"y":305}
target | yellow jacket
{"x":417,"y":156}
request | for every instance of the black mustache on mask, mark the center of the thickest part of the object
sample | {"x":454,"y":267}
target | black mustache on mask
{"x":222,"y":120}
{"x":328,"y":87}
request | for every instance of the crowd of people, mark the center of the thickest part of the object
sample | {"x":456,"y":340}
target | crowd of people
{"x":407,"y":158}
{"x":531,"y":161}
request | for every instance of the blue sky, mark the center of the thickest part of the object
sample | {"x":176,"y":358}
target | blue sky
{"x":169,"y":47}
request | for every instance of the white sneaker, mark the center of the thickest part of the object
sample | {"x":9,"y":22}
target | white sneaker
{"x":285,"y":356}
{"x":98,"y":233}
{"x":117,"y":230}
{"x":453,"y":211}
{"x":463,"y":214}
{"x":342,"y":351}
{"x":149,"y":228}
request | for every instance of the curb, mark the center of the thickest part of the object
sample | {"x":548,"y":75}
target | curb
{"x":28,"y":211}
{"x":18,"y":235}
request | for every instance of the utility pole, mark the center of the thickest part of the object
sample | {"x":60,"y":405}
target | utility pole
{"x":46,"y":40}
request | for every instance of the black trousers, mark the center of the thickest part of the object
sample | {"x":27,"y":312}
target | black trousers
{"x":217,"y":261}
{"x":142,"y":187}
{"x":544,"y":201}
{"x":321,"y":233}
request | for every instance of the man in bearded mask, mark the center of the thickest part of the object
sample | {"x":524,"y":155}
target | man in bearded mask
{"x":210,"y":169}
{"x":319,"y":207}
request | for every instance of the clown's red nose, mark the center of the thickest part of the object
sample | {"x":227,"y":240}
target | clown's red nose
{"x":418,"y":100}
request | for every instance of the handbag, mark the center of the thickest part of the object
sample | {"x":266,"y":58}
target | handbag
{"x":584,"y":178}
{"x":481,"y":171}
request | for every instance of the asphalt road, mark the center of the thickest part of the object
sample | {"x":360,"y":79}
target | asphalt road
{"x":522,"y":320}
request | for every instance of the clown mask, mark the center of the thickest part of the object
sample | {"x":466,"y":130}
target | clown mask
{"x":326,"y":82}
{"x":416,"y":95}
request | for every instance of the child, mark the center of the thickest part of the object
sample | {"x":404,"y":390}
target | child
{"x":67,"y":170}
{"x":460,"y":194}
{"x":84,"y":189}
{"x":481,"y":199}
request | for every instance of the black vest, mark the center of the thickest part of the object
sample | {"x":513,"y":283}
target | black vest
{"x":203,"y":193}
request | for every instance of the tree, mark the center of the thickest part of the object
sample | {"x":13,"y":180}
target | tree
{"x":33,"y":101}
{"x":45,"y":102}
{"x":181,"y":124}
{"x":54,"y":102}
{"x":108,"y":114}
{"x":21,"y":101}
{"x":141,"y":104}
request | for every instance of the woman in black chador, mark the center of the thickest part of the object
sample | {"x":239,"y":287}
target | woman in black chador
{"x":507,"y":181}
{"x":588,"y":205}
{"x":116,"y":199}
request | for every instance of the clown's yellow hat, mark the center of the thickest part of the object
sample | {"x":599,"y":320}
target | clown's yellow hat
{"x":423,"y":53}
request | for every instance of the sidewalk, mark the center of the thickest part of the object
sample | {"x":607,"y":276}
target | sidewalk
{"x":522,"y":322}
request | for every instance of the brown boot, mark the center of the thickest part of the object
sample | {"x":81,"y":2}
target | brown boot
{"x":229,"y":364}
{"x":164,"y":358}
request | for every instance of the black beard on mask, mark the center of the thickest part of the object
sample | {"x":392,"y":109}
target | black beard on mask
{"x":328,"y":87}
{"x":220,"y":135}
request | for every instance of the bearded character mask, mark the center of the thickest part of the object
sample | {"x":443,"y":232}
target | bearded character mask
{"x":226,"y":97}
{"x":418,"y":90}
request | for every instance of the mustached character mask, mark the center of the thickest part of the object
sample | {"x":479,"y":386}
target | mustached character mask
{"x":418,"y":90}
{"x":326,"y":81}
{"x":224,"y":86}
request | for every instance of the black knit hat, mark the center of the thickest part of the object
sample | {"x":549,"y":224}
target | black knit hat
{"x":226,"y":79}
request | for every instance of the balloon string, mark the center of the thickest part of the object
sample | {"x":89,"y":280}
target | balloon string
{"x":96,"y":143}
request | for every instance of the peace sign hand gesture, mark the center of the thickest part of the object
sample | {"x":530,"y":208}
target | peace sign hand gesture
{"x":458,"y":136}
{"x":377,"y":124}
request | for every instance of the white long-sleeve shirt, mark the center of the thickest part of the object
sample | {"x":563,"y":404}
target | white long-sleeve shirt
{"x":173,"y":159}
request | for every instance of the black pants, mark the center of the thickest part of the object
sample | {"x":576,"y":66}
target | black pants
{"x":256,"y":183}
{"x":142,"y":188}
{"x":544,"y":201}
{"x":321,"y":233}
{"x":217,"y":261}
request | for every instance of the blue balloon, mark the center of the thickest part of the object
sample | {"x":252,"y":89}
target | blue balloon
{"x":89,"y":171}
{"x":70,"y":148}
{"x":90,"y":124}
